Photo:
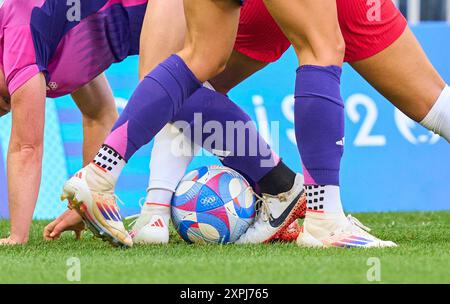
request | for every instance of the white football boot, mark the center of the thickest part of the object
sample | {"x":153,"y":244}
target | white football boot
{"x":275,"y":214}
{"x":335,"y":230}
{"x":91,"y":193}
{"x":152,"y":225}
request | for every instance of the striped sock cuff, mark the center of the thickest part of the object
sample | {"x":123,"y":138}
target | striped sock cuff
{"x":110,"y":161}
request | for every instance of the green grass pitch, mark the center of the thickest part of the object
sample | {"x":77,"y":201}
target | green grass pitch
{"x":422,"y":257}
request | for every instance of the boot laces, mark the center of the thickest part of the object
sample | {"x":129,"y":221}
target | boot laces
{"x":262,"y":208}
{"x":355,"y":222}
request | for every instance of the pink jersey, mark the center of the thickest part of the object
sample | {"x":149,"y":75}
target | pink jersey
{"x":70,"y":44}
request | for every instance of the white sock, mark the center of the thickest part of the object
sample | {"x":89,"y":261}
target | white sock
{"x":323,"y":199}
{"x":158,"y":202}
{"x":438,"y":119}
{"x":169,"y":160}
{"x":168,"y":163}
{"x":109,"y":161}
{"x":162,"y":196}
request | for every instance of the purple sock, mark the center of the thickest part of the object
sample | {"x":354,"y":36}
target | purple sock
{"x":154,"y":103}
{"x":319,"y":123}
{"x":240,"y":148}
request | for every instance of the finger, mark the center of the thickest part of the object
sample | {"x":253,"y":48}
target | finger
{"x":50,"y":227}
{"x":48,"y":230}
{"x":56,"y":233}
{"x":47,"y":237}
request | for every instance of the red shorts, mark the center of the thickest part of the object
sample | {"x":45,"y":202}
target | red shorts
{"x":367,"y":30}
{"x":259,"y":37}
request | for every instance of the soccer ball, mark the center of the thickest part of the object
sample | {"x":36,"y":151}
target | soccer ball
{"x":213,"y":205}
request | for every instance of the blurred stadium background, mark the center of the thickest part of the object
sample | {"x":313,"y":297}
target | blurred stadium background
{"x":391,"y":163}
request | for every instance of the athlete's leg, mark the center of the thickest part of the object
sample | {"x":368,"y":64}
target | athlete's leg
{"x":257,"y":167}
{"x":312,"y":28}
{"x":154,"y":103}
{"x":239,"y":68}
{"x":172,"y":152}
{"x":234,"y":140}
{"x":205,"y":52}
{"x":271,"y":180}
{"x":240,"y":147}
{"x":163,"y":33}
{"x":169,"y":161}
{"x":174,"y":80}
{"x":213,"y":121}
{"x":95,"y":100}
{"x":280,"y":178}
{"x":413,"y":85}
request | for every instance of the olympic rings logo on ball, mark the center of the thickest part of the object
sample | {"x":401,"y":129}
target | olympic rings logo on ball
{"x":208,"y":200}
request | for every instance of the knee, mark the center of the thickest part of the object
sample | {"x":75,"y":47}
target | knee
{"x":337,"y":49}
{"x":320,"y":49}
{"x":29,"y":152}
{"x":205,"y":64}
{"x":210,"y":66}
{"x":216,"y":65}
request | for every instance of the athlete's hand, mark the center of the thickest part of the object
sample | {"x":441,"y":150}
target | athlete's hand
{"x":68,"y":221}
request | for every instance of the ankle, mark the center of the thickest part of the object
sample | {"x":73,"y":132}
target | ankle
{"x":110,"y":162}
{"x":153,"y":208}
{"x":98,"y":179}
{"x":323,"y":198}
{"x":324,"y":216}
{"x":159,"y":197}
{"x":280,"y":179}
